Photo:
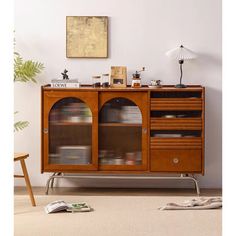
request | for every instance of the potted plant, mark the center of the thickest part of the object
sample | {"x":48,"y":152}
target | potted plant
{"x":25,"y":71}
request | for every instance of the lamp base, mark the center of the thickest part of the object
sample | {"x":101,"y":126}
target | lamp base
{"x":180,"y":86}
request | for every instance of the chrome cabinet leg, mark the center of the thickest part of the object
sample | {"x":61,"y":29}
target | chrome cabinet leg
{"x":48,"y":182}
{"x":187,"y":176}
{"x":181,"y":177}
{"x":196,"y":185}
{"x":55,"y":174}
{"x":52,"y":181}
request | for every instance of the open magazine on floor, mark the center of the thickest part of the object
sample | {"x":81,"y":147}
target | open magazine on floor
{"x":60,"y":205}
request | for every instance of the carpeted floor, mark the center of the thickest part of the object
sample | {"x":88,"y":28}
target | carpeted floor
{"x":114,"y":216}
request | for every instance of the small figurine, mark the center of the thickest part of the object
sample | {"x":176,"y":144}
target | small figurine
{"x":155,"y":83}
{"x":65,"y":76}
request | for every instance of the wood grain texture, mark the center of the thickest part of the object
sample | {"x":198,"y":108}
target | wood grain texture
{"x":21,"y":157}
{"x":176,"y":123}
{"x":50,"y":99}
{"x":203,"y":130}
{"x":141,"y":100}
{"x":175,"y":104}
{"x":164,"y":88}
{"x":176,"y":160}
{"x":176,"y":143}
{"x":156,"y":151}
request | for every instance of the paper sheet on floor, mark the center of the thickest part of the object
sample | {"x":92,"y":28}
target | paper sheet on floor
{"x":195,"y":204}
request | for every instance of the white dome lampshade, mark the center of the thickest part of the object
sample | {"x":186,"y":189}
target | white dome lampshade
{"x":181,"y":54}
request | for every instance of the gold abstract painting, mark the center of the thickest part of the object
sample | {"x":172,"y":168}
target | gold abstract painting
{"x":87,"y":36}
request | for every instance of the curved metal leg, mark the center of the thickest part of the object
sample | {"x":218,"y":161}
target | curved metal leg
{"x":182,"y":176}
{"x":48,"y":183}
{"x":52,"y":182}
{"x":188,"y":176}
{"x":54,"y":177}
{"x":196,"y":185}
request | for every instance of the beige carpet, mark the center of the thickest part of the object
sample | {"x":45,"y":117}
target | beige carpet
{"x":114,"y":216}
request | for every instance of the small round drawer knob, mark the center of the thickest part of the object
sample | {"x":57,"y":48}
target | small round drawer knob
{"x":45,"y":130}
{"x":175,"y":160}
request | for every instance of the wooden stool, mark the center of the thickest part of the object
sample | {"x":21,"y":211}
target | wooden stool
{"x":21,"y":157}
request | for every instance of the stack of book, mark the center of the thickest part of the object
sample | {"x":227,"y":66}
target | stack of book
{"x":131,"y":114}
{"x":65,"y":83}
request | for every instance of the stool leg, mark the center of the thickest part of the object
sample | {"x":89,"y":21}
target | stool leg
{"x":27,"y":181}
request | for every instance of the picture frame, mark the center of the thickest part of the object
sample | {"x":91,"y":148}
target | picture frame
{"x":118,"y":77}
{"x":86,"y":36}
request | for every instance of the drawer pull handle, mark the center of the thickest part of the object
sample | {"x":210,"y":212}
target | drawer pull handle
{"x":45,"y":130}
{"x":175,"y":160}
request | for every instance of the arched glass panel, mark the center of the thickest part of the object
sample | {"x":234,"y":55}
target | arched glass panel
{"x":70,"y":132}
{"x":120,"y":133}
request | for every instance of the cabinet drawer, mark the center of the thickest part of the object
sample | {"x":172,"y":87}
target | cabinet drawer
{"x":176,"y":104}
{"x":176,"y":123}
{"x":176,"y":143}
{"x":176,"y":160}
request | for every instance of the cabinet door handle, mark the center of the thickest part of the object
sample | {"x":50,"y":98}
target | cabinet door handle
{"x":45,"y":130}
{"x":175,"y":160}
{"x":144,"y":130}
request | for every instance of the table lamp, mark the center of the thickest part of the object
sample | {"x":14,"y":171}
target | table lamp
{"x":181,"y":54}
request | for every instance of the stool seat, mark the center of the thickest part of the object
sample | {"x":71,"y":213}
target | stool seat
{"x":18,"y":156}
{"x":21,"y":157}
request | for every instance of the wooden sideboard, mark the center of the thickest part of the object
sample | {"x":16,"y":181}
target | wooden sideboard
{"x":108,"y":130}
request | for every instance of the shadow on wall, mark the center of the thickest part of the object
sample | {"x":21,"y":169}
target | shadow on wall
{"x":210,"y":60}
{"x":213,"y":138}
{"x":210,"y":69}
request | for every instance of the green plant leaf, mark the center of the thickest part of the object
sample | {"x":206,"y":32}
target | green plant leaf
{"x":25,"y":71}
{"x":19,"y":125}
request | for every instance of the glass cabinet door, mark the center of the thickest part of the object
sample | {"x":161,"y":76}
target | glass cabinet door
{"x":122,"y":134}
{"x":70,"y":135}
{"x":70,"y":132}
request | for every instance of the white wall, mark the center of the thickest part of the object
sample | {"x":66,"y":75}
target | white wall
{"x":140,"y":32}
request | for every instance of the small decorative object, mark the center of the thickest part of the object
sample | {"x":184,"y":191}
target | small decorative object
{"x":65,"y":76}
{"x":118,"y":76}
{"x":136,"y":80}
{"x":87,"y":36}
{"x":96,"y":81}
{"x":105,"y":80}
{"x":181,"y":54}
{"x":65,"y":82}
{"x":130,"y":158}
{"x":155,"y":84}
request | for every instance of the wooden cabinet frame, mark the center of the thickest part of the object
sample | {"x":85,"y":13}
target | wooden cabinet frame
{"x":156,"y":152}
{"x":49,"y":99}
{"x":140,"y":99}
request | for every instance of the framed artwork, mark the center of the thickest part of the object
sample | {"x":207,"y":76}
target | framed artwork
{"x":87,"y":36}
{"x":118,"y":76}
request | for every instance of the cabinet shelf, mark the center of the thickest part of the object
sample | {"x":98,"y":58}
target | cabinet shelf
{"x":71,"y":123}
{"x":120,"y":125}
